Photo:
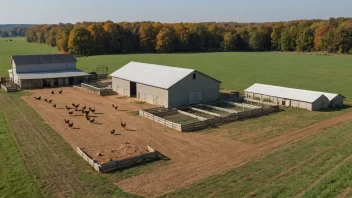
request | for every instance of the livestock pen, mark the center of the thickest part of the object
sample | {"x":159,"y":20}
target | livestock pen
{"x":196,"y":117}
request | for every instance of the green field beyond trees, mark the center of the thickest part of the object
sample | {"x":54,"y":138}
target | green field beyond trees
{"x":236,"y":70}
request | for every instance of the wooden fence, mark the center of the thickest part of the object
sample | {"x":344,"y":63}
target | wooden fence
{"x":120,"y":164}
{"x":95,"y":90}
{"x":212,"y":122}
{"x":9,"y":87}
{"x":160,"y":120}
{"x":230,"y":118}
{"x":88,"y":159}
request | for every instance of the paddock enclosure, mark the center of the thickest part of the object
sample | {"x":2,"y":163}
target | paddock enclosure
{"x":103,"y":147}
{"x":195,"y":117}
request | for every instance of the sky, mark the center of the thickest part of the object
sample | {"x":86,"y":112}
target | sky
{"x":71,"y":11}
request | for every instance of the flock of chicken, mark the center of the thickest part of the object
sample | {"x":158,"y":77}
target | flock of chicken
{"x":82,"y":110}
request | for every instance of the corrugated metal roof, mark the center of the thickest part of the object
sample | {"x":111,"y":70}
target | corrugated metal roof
{"x":151,"y":74}
{"x":56,"y":74}
{"x":43,"y":59}
{"x":289,"y":93}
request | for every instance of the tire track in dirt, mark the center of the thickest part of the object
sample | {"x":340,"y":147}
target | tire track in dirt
{"x":344,"y":193}
{"x":183,"y":173}
{"x":324,"y":176}
{"x":55,"y":172}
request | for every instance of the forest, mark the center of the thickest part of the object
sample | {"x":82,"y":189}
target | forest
{"x":11,"y":30}
{"x":93,"y":38}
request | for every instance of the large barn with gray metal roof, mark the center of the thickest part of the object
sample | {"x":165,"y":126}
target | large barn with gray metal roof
{"x":305,"y":99}
{"x":165,"y":86}
{"x":51,"y":70}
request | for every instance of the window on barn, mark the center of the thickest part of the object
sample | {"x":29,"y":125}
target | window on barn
{"x":194,"y":76}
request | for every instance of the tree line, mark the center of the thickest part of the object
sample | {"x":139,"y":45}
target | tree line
{"x":92,"y":38}
{"x":13,"y":30}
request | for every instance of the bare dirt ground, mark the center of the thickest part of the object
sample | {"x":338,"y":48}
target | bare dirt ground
{"x":194,"y":156}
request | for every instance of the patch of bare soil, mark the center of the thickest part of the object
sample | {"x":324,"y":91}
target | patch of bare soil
{"x":126,"y":150}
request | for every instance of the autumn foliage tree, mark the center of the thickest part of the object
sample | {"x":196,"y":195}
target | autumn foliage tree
{"x":165,"y":40}
{"x":80,"y":41}
{"x":88,"y":38}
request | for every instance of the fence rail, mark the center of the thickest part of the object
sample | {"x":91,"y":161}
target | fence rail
{"x":119,"y":164}
{"x":230,"y":118}
{"x":95,"y":90}
{"x":160,"y":120}
{"x":203,"y":122}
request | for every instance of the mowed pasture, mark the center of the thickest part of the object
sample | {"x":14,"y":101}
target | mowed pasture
{"x":236,"y":70}
{"x":287,"y":154}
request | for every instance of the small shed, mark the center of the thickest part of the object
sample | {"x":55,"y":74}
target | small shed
{"x":305,"y":99}
{"x":165,"y":86}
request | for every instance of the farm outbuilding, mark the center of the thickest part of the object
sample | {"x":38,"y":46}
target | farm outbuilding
{"x":305,"y":99}
{"x":52,"y":70}
{"x":165,"y":86}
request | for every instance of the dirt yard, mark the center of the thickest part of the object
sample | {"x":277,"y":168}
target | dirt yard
{"x":194,"y":156}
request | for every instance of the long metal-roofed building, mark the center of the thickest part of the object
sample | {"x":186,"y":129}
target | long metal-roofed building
{"x":305,"y":99}
{"x":51,"y":70}
{"x":165,"y":86}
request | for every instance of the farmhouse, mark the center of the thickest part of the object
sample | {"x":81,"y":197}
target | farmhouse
{"x":165,"y":86}
{"x":36,"y":71}
{"x":305,"y":99}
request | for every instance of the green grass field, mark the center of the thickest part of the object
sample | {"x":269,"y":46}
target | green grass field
{"x":236,"y":70}
{"x":318,"y":166}
{"x":326,"y":157}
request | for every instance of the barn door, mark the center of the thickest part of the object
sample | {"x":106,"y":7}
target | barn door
{"x":195,"y":97}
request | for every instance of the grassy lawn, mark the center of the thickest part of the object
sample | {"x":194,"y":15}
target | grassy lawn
{"x":290,"y":171}
{"x":263,"y":128}
{"x":236,"y":70}
{"x":15,"y":179}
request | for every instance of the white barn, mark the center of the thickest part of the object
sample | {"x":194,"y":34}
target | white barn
{"x":305,"y":99}
{"x":165,"y":86}
{"x":52,"y":70}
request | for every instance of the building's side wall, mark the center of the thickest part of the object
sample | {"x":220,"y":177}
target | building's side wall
{"x":152,"y":95}
{"x":121,"y":86}
{"x":320,"y":103}
{"x":337,"y":101}
{"x":44,"y":67}
{"x":281,"y":101}
{"x":31,"y":84}
{"x":179,"y":93}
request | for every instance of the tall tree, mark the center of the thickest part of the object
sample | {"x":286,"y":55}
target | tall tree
{"x":147,"y":37}
{"x":230,"y":41}
{"x":286,"y":40}
{"x":276,"y":36}
{"x":62,"y":37}
{"x":197,"y":37}
{"x":99,"y":37}
{"x":80,"y":41}
{"x":165,"y":40}
{"x":182,"y":37}
{"x":114,"y":36}
{"x":319,"y":34}
{"x":306,"y":41}
{"x":343,"y":37}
